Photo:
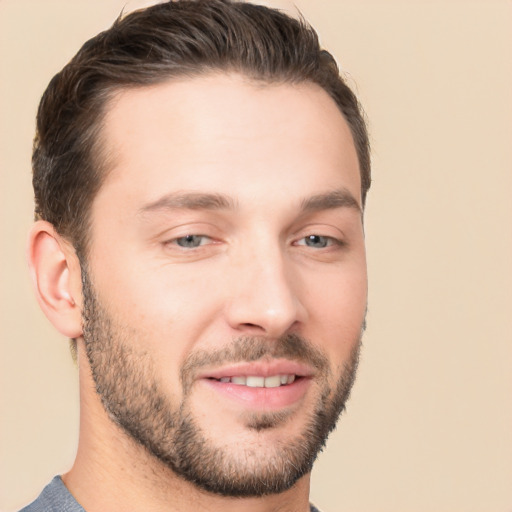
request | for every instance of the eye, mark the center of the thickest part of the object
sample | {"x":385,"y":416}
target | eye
{"x":317,"y":241}
{"x":191,"y":241}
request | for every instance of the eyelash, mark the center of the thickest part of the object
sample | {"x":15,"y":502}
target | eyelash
{"x":190,"y":237}
{"x":329,"y":241}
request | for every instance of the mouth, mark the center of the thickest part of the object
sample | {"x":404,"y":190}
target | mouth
{"x":260,"y":385}
{"x":256,"y":381}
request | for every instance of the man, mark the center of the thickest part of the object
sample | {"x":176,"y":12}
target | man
{"x":200,"y":173}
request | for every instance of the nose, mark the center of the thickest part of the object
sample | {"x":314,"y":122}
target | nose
{"x":265,"y":295}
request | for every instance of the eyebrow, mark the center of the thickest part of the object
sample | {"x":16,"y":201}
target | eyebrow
{"x":340,"y":198}
{"x":190,"y":201}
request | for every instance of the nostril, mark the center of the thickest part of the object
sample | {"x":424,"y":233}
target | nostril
{"x":253,"y":327}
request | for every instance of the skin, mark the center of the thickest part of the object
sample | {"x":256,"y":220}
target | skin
{"x":269,"y":150}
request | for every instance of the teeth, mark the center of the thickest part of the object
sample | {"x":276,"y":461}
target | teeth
{"x":253,"y":381}
{"x":273,"y":382}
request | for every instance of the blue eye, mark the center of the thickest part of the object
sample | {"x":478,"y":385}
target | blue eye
{"x":191,"y":241}
{"x":316,"y":241}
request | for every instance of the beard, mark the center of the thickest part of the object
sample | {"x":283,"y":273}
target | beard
{"x":125,"y":379}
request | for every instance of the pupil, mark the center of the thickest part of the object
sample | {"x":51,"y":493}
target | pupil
{"x":189,"y":241}
{"x":316,"y":241}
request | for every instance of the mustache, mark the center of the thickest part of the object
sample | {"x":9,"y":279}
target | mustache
{"x":255,"y":348}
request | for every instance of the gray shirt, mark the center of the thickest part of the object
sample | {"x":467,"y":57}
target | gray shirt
{"x":54,"y":498}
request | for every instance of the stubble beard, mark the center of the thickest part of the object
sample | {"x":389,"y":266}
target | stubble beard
{"x":134,"y":399}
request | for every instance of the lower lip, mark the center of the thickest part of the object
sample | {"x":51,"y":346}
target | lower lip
{"x":262,"y":398}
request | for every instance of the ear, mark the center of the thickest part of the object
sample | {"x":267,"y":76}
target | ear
{"x":56,"y":275}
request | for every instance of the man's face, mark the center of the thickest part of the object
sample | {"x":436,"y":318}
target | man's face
{"x":225,"y":290}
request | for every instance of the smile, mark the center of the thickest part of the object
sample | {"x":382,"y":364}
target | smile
{"x":252,"y":381}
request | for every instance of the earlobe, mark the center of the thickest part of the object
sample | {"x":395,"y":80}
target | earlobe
{"x":55,"y":272}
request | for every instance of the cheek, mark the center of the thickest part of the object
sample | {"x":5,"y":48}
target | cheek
{"x":341,"y":293}
{"x":168,"y":307}
{"x":337,"y":309}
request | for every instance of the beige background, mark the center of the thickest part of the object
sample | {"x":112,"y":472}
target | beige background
{"x":429,"y":426}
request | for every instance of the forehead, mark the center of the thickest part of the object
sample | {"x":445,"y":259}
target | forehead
{"x":226,"y":133}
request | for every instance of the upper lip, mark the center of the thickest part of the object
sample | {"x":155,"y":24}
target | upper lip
{"x":260,"y":369}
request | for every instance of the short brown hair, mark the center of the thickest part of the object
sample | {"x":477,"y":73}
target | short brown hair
{"x":175,"y":38}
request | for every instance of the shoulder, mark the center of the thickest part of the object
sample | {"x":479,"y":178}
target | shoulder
{"x":55,"y":497}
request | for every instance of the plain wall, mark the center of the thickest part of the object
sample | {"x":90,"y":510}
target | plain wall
{"x":429,"y":424}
